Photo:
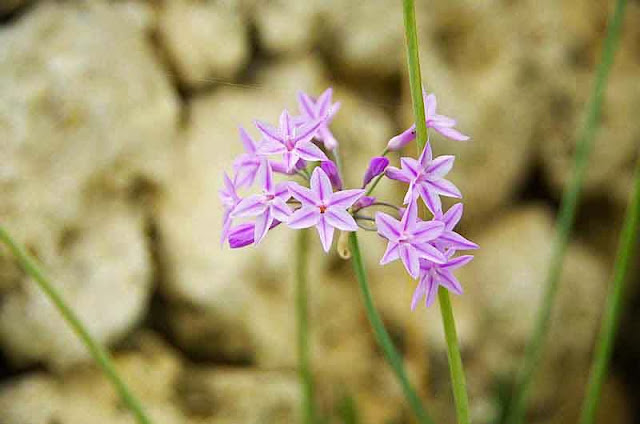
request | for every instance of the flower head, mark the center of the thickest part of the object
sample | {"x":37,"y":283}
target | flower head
{"x":270,"y":205}
{"x":293,"y":142}
{"x":440,"y":123}
{"x":323,"y":208}
{"x":323,"y":110}
{"x":425,"y":177}
{"x":409,"y":239}
{"x":434,"y":275}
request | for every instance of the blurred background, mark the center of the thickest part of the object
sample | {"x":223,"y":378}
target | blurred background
{"x":117,"y":119}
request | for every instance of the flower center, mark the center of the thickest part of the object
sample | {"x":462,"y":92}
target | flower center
{"x":322,"y":208}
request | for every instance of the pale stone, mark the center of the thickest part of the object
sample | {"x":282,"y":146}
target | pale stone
{"x":287,"y":27}
{"x":207,"y":42}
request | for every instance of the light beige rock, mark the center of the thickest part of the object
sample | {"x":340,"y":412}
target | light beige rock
{"x":8,"y":6}
{"x":287,"y":27}
{"x":207,"y":42}
{"x":77,"y":139}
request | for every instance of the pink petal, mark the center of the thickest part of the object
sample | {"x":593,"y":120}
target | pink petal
{"x":441,"y":121}
{"x":410,"y":259}
{"x":430,"y":253}
{"x":409,"y":217}
{"x":306,"y":104}
{"x":340,"y":219}
{"x":282,"y":190}
{"x":448,"y":281}
{"x":321,"y":185}
{"x":325,"y":231}
{"x":396,"y":174}
{"x":388,"y":227}
{"x":303,"y":194}
{"x":250,"y":206}
{"x":391,"y":254}
{"x":269,"y":133}
{"x":346,"y":198}
{"x":271,"y":147}
{"x":324,"y":101}
{"x":444,"y":187}
{"x":280,"y":209}
{"x":280,"y":167}
{"x":432,"y":290}
{"x":307,"y":132}
{"x":309,"y":151}
{"x":291,"y":158}
{"x":452,"y":216}
{"x":410,"y":196}
{"x":333,"y":110}
{"x":411,"y":167}
{"x":247,"y":141}
{"x":456,"y":241}
{"x":286,"y":125}
{"x":440,"y":166}
{"x":427,"y":230}
{"x":329,"y":141}
{"x":418,"y":293}
{"x":427,"y":155}
{"x":430,"y":104}
{"x":263,"y":223}
{"x":451,"y":133}
{"x":456,"y":263}
{"x":265,"y":175}
{"x":305,"y":217}
{"x":431,"y":199}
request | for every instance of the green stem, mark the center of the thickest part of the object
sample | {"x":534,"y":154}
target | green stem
{"x":382,"y":336}
{"x":628,"y":242}
{"x":566,"y":218}
{"x":455,"y":360}
{"x":98,"y":353}
{"x":302,"y":315}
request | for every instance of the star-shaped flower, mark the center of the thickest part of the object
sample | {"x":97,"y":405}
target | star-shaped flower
{"x":270,"y":205}
{"x":293,"y":142}
{"x":409,"y":239}
{"x":434,"y":275}
{"x":440,"y":123}
{"x":322,"y":109}
{"x":323,"y":208}
{"x":425,"y":177}
{"x":449,"y":239}
{"x":230,"y":199}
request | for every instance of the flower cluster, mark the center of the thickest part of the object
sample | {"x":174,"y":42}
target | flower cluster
{"x":303,"y":149}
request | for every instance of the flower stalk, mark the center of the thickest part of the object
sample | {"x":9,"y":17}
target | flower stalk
{"x":628,"y":244}
{"x":455,"y":363}
{"x":99,"y":354}
{"x":566,"y":218}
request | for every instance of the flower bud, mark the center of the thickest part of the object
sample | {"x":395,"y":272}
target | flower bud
{"x":402,"y":139}
{"x":376,"y":167}
{"x":364,"y":202}
{"x":331,"y":170}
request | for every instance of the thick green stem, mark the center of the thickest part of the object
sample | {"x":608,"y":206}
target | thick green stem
{"x":302,"y":317}
{"x":98,"y":353}
{"x":382,"y":336}
{"x":566,"y":218}
{"x":628,"y":243}
{"x":455,"y":360}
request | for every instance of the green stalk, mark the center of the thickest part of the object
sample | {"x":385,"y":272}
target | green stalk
{"x":302,"y":317}
{"x":455,"y":362}
{"x":628,"y":243}
{"x":566,"y":218}
{"x":382,"y":336}
{"x":98,"y":353}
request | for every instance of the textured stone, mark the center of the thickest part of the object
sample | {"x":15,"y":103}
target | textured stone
{"x":77,"y":138}
{"x":205,"y":41}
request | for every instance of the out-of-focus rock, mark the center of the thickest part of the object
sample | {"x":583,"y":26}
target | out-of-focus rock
{"x":140,"y":13}
{"x":86,"y":114}
{"x":8,"y":6}
{"x":205,"y":41}
{"x":103,"y":273}
{"x":287,"y":27}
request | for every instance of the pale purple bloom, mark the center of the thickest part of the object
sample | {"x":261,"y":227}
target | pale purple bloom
{"x":449,"y":239}
{"x":440,"y":123}
{"x":293,"y":142}
{"x":409,"y":239}
{"x":364,"y":202}
{"x":246,"y":165}
{"x":425,"y":177}
{"x":244,"y":234}
{"x":323,"y":110}
{"x":376,"y":167}
{"x":330,"y":168}
{"x":270,"y":205}
{"x":434,"y":275}
{"x":230,"y":199}
{"x":323,"y":208}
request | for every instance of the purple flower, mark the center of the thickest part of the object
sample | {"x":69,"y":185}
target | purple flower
{"x":244,"y":234}
{"x":294,"y":143}
{"x":450,"y":239}
{"x":425,"y":177}
{"x":270,"y":205}
{"x":408,"y":239}
{"x":440,"y":123}
{"x":376,"y":167}
{"x":230,"y":199}
{"x":332,"y":172}
{"x":323,"y":208}
{"x":322,"y":110}
{"x":434,"y":275}
{"x":247,"y":164}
